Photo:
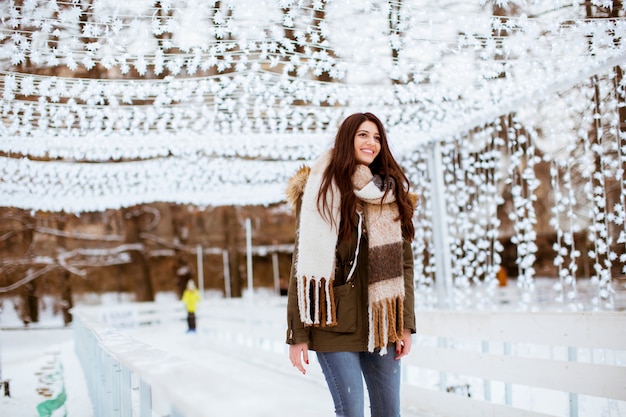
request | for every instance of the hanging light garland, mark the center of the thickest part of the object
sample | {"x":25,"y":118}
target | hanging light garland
{"x":423,"y":243}
{"x":214,"y":103}
{"x":259,"y":71}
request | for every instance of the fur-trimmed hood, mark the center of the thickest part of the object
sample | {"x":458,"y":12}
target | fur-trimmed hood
{"x":296,"y":184}
{"x":413,"y":198}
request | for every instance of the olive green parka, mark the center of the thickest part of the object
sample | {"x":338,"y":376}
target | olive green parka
{"x":351,"y":332}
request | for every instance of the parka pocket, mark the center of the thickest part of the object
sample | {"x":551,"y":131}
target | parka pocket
{"x":345,"y":304}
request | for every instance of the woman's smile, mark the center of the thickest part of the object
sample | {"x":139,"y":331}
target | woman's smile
{"x":366,"y":143}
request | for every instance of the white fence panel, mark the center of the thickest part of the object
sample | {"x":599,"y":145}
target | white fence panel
{"x":482,"y":355}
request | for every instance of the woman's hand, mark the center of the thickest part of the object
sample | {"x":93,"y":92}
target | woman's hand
{"x":298,"y":353}
{"x":403,"y":347}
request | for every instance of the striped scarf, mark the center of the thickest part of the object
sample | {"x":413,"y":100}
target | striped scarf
{"x":317,"y":242}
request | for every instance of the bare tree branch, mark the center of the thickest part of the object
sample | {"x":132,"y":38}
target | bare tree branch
{"x":29,"y":277}
{"x":79,"y":235}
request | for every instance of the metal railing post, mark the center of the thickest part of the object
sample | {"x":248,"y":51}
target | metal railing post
{"x":108,"y":375}
{"x":145,"y":399}
{"x":486,"y":382}
{"x":508,"y":388}
{"x":443,"y":274}
{"x":249,"y":258}
{"x":572,"y":356}
{"x":126,"y":391}
{"x":116,"y":388}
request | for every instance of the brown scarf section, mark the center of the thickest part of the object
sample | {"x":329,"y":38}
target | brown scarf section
{"x":317,"y":242}
{"x":385,"y":259}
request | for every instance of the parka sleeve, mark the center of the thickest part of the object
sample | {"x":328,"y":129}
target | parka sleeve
{"x":296,"y":330}
{"x":409,"y":294}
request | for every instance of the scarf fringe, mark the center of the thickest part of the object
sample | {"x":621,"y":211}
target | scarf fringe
{"x":386,"y":321}
{"x":319,"y":294}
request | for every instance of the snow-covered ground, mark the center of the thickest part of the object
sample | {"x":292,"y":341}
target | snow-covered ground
{"x":38,"y":363}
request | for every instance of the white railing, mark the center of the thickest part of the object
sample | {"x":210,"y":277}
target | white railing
{"x":462,"y":363}
{"x":518,"y":364}
{"x":128,"y":378}
{"x":122,"y":374}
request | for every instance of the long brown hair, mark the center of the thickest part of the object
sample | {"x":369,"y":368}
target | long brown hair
{"x":342,"y":166}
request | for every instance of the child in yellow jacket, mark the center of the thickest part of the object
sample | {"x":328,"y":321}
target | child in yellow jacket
{"x":191,"y":298}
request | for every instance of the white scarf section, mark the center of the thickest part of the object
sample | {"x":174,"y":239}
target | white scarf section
{"x":317,"y":242}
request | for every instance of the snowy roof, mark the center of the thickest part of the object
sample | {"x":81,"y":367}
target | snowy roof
{"x":214,"y":106}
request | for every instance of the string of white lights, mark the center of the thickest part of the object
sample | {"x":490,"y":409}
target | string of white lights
{"x":113,"y":104}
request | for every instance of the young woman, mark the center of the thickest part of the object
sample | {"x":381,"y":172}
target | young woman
{"x":350,"y":293}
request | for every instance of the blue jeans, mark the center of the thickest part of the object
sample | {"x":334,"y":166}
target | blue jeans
{"x":344,"y":373}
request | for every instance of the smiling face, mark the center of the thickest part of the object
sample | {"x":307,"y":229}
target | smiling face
{"x":366,"y":143}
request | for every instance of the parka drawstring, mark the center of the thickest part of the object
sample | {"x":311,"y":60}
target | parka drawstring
{"x":358,"y":245}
